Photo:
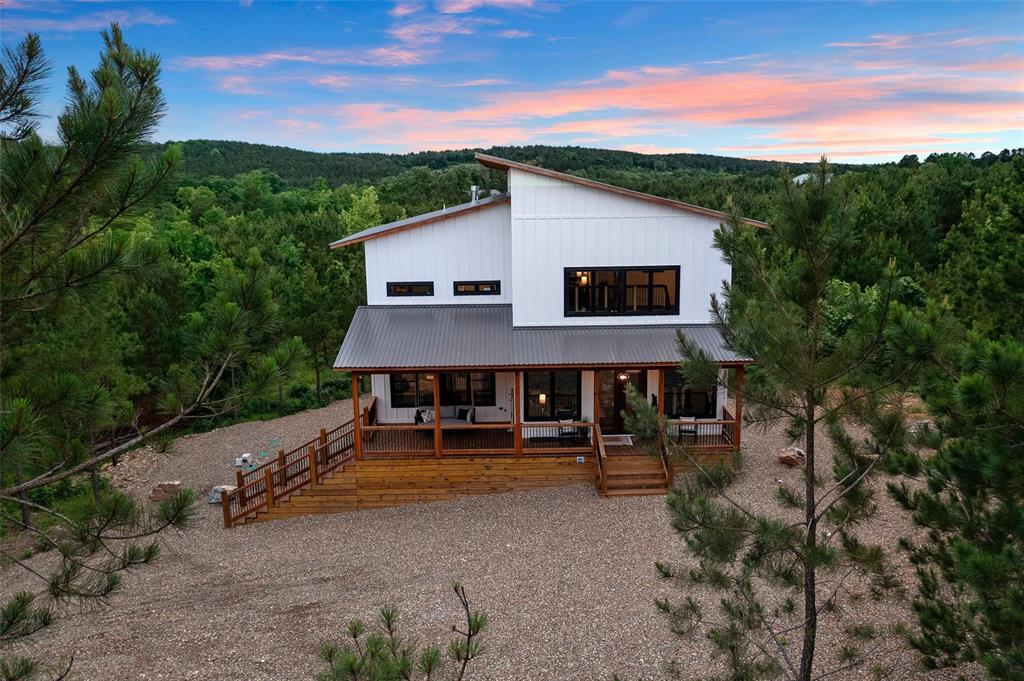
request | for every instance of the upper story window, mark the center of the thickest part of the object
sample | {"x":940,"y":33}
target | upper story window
{"x":478,"y":288}
{"x":410,"y":288}
{"x":610,"y":291}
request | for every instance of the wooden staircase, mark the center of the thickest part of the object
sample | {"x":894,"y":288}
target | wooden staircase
{"x":378,"y":483}
{"x":633,"y":475}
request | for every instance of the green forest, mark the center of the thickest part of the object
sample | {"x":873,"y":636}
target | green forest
{"x":152,"y":289}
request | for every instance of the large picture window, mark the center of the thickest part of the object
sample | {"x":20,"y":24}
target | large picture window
{"x":457,"y":389}
{"x":552,"y":395}
{"x":598,"y":291}
{"x":684,"y":401}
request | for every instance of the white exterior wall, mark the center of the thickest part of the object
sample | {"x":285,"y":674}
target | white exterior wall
{"x":471,"y":247}
{"x":558,"y":224}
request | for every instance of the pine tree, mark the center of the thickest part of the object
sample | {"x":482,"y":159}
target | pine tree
{"x":67,"y":240}
{"x":385,"y":655}
{"x":813,"y":382}
{"x":970,"y":561}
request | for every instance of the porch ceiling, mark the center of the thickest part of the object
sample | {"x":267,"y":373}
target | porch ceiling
{"x":394,"y":337}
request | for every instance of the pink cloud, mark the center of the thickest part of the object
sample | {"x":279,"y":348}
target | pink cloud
{"x":431,"y":31}
{"x":393,"y":55}
{"x":332,"y":81}
{"x":935,"y":39}
{"x":87,"y":22}
{"x":894,"y":41}
{"x":239,"y":85}
{"x":464,"y":6}
{"x":404,"y":9}
{"x":292,"y":126}
{"x":514,"y":33}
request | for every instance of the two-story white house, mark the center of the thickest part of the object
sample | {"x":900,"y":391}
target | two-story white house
{"x":511,"y":324}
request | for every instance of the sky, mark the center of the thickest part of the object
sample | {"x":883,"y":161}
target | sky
{"x":858,"y":81}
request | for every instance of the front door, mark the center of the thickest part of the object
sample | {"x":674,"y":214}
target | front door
{"x":611,"y":396}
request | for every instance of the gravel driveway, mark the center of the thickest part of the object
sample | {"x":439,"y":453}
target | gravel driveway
{"x":566,"y":576}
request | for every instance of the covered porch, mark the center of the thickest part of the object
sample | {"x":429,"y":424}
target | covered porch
{"x":461,"y":380}
{"x":544,"y":413}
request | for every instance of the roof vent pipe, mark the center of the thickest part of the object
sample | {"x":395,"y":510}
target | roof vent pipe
{"x":474,"y":193}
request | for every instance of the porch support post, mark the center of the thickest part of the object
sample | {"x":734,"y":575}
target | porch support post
{"x":739,"y":405}
{"x":661,"y":392}
{"x":437,"y":415}
{"x":357,"y":418}
{"x":517,"y":413}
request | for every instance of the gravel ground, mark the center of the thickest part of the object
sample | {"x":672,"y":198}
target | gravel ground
{"x":566,"y":576}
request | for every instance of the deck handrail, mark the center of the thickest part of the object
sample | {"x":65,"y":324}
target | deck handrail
{"x":663,"y":454}
{"x":600,"y":457}
{"x":302,"y":467}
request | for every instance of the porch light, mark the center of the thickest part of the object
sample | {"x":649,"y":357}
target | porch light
{"x":583,"y":280}
{"x":623,"y":377}
{"x":542,"y":399}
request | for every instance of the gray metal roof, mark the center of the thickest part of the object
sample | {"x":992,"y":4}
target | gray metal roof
{"x":425,"y":218}
{"x":464,"y":336}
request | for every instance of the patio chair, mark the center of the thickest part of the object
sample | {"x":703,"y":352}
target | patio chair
{"x":687,"y":433}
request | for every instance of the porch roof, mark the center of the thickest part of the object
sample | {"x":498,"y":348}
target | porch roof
{"x":397,"y":337}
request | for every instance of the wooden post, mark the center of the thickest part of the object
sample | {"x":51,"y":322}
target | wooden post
{"x":738,"y":428}
{"x":240,"y":484}
{"x":225,"y":507}
{"x":661,"y":393}
{"x":268,"y":483}
{"x":517,"y":413}
{"x":282,"y":462}
{"x":357,"y":426}
{"x":323,"y":437}
{"x":437,"y":415}
{"x":314,"y":474}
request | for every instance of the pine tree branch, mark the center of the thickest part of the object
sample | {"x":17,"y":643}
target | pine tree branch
{"x":41,"y":481}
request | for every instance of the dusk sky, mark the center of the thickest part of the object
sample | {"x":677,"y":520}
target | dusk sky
{"x":858,"y":81}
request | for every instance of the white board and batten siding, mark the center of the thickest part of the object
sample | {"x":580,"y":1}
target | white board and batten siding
{"x":471,"y":247}
{"x":558,"y":224}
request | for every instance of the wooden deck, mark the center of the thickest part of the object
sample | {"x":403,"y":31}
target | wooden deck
{"x":368,"y":465}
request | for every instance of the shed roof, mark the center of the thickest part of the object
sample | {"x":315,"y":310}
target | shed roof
{"x":396,"y":337}
{"x":505,"y":164}
{"x":420,"y":220}
{"x":497,"y":199}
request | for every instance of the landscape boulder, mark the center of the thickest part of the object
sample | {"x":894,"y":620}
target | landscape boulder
{"x":164,"y":491}
{"x":214,"y":496}
{"x":791,"y":456}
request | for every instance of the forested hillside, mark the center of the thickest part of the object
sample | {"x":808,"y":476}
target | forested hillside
{"x":203,"y":158}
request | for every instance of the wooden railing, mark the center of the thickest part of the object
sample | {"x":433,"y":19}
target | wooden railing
{"x":465,"y":439}
{"x":289,"y":472}
{"x":703,"y":433}
{"x":600,"y":459}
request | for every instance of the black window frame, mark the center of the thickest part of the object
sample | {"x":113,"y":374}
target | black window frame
{"x":569,"y":273}
{"x":392,"y":285}
{"x":577,"y":414}
{"x":495,"y":285}
{"x":423,"y":395}
{"x":682,"y":392}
